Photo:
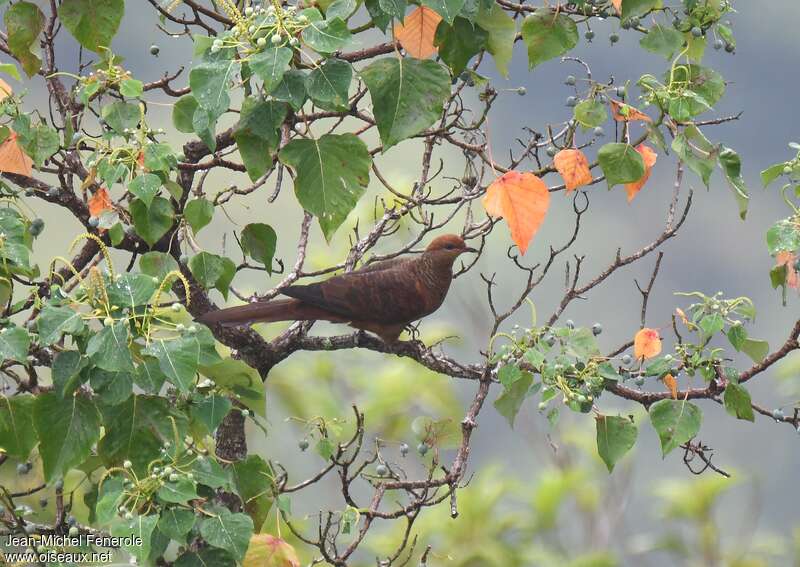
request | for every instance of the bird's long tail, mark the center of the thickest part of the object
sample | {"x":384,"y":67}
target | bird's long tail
{"x":267,"y":312}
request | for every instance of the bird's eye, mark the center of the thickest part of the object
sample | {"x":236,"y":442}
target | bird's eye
{"x":449,"y":246}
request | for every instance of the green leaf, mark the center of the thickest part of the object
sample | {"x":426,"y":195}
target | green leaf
{"x":159,"y":157}
{"x":206,"y":557}
{"x":211,"y":410}
{"x":757,"y":350}
{"x":228,"y":531}
{"x":140,"y":531}
{"x":590,"y":113}
{"x":54,"y":321}
{"x":157,"y":264}
{"x":145,"y":187}
{"x":130,"y":290}
{"x":396,"y":8}
{"x":120,"y":115}
{"x":24,"y":22}
{"x":663,"y":40}
{"x":92,"y":22}
{"x":459,"y":42}
{"x":175,"y":523}
{"x":242,"y":381}
{"x":40,"y":142}
{"x":183,"y":113}
{"x":254,"y":479}
{"x":109,"y":498}
{"x":178,"y":359}
{"x":341,"y":9}
{"x":548,"y":35}
{"x":328,"y":84}
{"x":258,"y":242}
{"x":111,"y":388}
{"x":731,"y":166}
{"x":153,"y":222}
{"x":10,"y":69}
{"x":332,"y":173}
{"x":407,"y":96}
{"x":292,"y":89}
{"x":131,"y":88}
{"x":772,"y":173}
{"x":632,"y":8}
{"x":257,"y":134}
{"x":704,"y":87}
{"x":502,"y":32}
{"x":209,"y":80}
{"x":379,"y":17}
{"x":178,"y":491}
{"x":109,"y":349}
{"x":510,"y":401}
{"x":137,"y":429}
{"x":326,"y":36}
{"x":615,"y":437}
{"x":621,"y":163}
{"x":198,"y":213}
{"x":213,"y":271}
{"x":711,"y":325}
{"x":271,"y":65}
{"x":447,"y":9}
{"x":17,"y":433}
{"x":737,"y":402}
{"x":698,"y":153}
{"x":676,"y":422}
{"x":14,"y":343}
{"x":783,"y":236}
{"x":208,"y":472}
{"x":737,"y":335}
{"x":67,"y":430}
{"x":66,"y":372}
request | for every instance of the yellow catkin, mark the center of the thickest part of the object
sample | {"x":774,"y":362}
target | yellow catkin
{"x":103,"y":249}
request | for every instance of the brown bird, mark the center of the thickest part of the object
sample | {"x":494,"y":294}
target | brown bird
{"x":383,"y":298}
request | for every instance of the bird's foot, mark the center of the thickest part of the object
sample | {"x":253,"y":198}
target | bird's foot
{"x":413,"y":330}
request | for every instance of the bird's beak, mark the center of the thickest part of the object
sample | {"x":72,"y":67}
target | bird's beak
{"x":470,"y":249}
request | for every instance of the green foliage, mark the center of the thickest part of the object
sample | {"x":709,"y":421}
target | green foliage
{"x":548,"y":35}
{"x":92,"y":22}
{"x":615,"y":437}
{"x":621,"y":163}
{"x":332,"y":173}
{"x":676,"y":422}
{"x":24,"y":22}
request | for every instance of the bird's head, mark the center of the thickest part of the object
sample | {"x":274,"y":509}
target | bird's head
{"x":448,"y":247}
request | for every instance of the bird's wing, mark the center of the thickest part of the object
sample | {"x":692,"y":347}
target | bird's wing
{"x":388,"y":296}
{"x":381,"y":265}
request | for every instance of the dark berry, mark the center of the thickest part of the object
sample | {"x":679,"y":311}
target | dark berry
{"x":697,"y":32}
{"x":599,"y":132}
{"x":422,"y":449}
{"x":626,"y":360}
{"x":154,"y":49}
{"x":570,"y":324}
{"x":381,"y":470}
{"x":613,"y":38}
{"x":303,"y":444}
{"x":572,"y":101}
{"x":36,"y":227}
{"x":589,"y":35}
{"x":570,"y":80}
{"x":719,"y":44}
{"x":551,"y":151}
{"x":404,"y":449}
{"x":777,"y":414}
{"x":94,"y":222}
{"x":730,"y":48}
{"x":597,"y":328}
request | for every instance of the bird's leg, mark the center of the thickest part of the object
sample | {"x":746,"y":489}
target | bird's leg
{"x":413,"y":330}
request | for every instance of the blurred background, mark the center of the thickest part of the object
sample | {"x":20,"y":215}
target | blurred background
{"x":540,"y":495}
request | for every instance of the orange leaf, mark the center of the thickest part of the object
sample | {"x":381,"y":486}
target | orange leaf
{"x":682,"y":315}
{"x":649,"y":157}
{"x":672,"y":384}
{"x":417,"y":31}
{"x":12,"y":158}
{"x":618,"y":5}
{"x":625,"y":112}
{"x":522,"y":199}
{"x":788,"y":259}
{"x":646,"y":343}
{"x":266,"y":550}
{"x":573,"y":167}
{"x":99,"y":202}
{"x":5,"y":90}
